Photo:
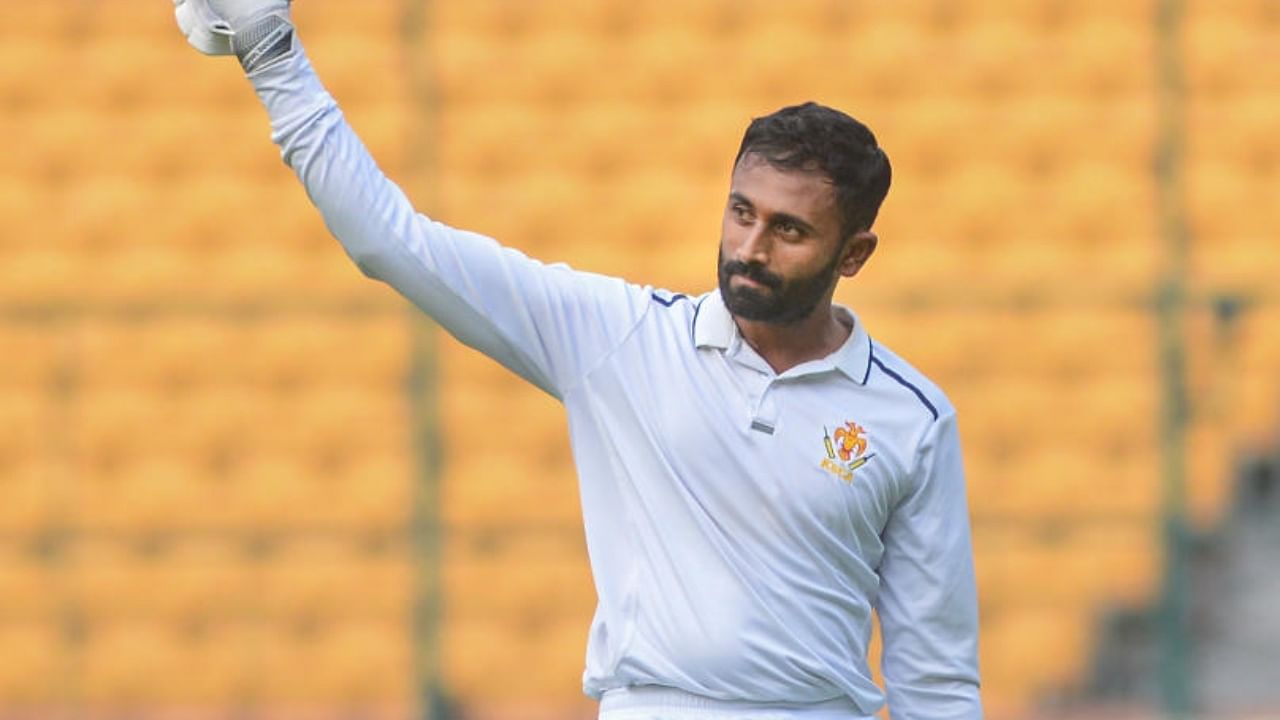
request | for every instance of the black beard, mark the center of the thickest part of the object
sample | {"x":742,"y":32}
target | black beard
{"x":784,"y":302}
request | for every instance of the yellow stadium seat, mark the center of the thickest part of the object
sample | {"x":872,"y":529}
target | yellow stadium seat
{"x":336,"y":665}
{"x":363,"y":661}
{"x":373,"y":492}
{"x":113,"y":581}
{"x":125,"y":663}
{"x":1258,"y":345}
{"x":327,"y":577}
{"x":197,"y":210}
{"x":371,"y":18}
{"x":976,"y":209}
{"x":1238,"y":134}
{"x":21,"y":199}
{"x":34,"y":664}
{"x":214,"y":664}
{"x":493,"y":140}
{"x":118,"y":62}
{"x":994,"y":414}
{"x":656,"y":62}
{"x":476,"y":652}
{"x":465,"y":68}
{"x":703,"y":140}
{"x":495,"y":20}
{"x":821,"y":19}
{"x":1232,"y":223}
{"x":53,"y":139}
{"x":359,"y":69}
{"x":137,"y":273}
{"x":127,"y":20}
{"x":522,"y":421}
{"x":353,"y":492}
{"x":921,"y":136}
{"x":1069,"y":481}
{"x":373,"y":352}
{"x":1049,"y":644}
{"x":34,"y":356}
{"x":1041,"y":133}
{"x":1041,"y":17}
{"x":1105,"y":59}
{"x":390,"y":127}
{"x":1099,"y":204}
{"x":34,"y":488}
{"x":993,"y":59}
{"x":42,"y":275}
{"x":29,"y":419}
{"x":519,"y":588}
{"x":1210,"y":466}
{"x":1255,"y":412}
{"x":146,"y":493}
{"x":484,"y":490}
{"x":202,"y":577}
{"x":945,"y":342}
{"x":1229,"y":50}
{"x":52,"y":19}
{"x":551,"y":67}
{"x":32,"y":585}
{"x":330,"y":420}
{"x":162,"y":355}
{"x":1079,"y":342}
{"x":29,"y":65}
{"x":875,"y":52}
{"x":1112,"y":402}
{"x":108,"y":210}
{"x":111,"y":425}
{"x":256,"y":270}
{"x":310,"y":578}
{"x":274,"y":489}
{"x":178,"y":144}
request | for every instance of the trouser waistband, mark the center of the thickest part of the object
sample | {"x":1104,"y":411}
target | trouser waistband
{"x":652,"y":701}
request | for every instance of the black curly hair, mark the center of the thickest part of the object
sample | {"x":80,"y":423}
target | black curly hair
{"x":815,"y":137}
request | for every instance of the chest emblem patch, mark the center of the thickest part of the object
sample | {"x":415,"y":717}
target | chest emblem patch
{"x":846,"y":450}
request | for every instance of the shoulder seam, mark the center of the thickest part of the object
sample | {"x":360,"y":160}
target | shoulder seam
{"x":668,"y":302}
{"x":907,"y":384}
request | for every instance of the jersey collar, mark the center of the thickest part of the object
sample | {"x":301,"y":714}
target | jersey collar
{"x":713,"y":327}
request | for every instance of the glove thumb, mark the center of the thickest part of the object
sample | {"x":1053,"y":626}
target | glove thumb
{"x":206,"y":32}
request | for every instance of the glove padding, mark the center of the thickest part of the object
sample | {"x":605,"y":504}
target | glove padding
{"x":259,"y":32}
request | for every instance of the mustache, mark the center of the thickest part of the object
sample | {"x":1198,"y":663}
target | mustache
{"x":752,"y":271}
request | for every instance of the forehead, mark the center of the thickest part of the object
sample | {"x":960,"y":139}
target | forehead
{"x":806,"y":193}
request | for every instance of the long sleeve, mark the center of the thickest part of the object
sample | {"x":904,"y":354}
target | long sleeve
{"x":548,"y":323}
{"x":928,"y":600}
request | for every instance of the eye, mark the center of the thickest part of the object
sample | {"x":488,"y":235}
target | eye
{"x":789,"y":229}
{"x":741,"y":212}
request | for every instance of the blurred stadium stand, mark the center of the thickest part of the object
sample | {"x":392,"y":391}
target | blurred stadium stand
{"x":217,"y":437}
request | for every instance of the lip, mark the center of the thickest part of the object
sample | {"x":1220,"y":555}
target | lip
{"x":749,"y":281}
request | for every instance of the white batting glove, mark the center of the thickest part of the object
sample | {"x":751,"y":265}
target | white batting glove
{"x":258,"y":32}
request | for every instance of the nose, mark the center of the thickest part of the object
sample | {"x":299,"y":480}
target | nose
{"x":755,"y":245}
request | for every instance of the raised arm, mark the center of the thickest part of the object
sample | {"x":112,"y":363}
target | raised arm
{"x":548,"y":323}
{"x":928,"y":603}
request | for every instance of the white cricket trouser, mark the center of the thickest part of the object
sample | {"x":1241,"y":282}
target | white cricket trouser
{"x":660,"y":703}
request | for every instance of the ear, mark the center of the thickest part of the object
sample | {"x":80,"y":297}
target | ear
{"x":856,"y":252}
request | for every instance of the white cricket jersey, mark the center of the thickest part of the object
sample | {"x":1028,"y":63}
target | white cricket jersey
{"x":742,"y":524}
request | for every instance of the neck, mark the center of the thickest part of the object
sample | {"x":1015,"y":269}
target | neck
{"x":786,"y":346}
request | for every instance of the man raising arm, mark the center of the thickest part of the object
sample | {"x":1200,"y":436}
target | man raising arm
{"x":757,"y":475}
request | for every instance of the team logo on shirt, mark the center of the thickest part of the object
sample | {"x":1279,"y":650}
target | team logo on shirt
{"x":846,"y":450}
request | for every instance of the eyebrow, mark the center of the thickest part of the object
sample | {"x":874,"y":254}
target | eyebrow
{"x":799,"y":222}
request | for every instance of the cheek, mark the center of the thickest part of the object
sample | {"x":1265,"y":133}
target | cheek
{"x":730,"y":236}
{"x":801,"y":262}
